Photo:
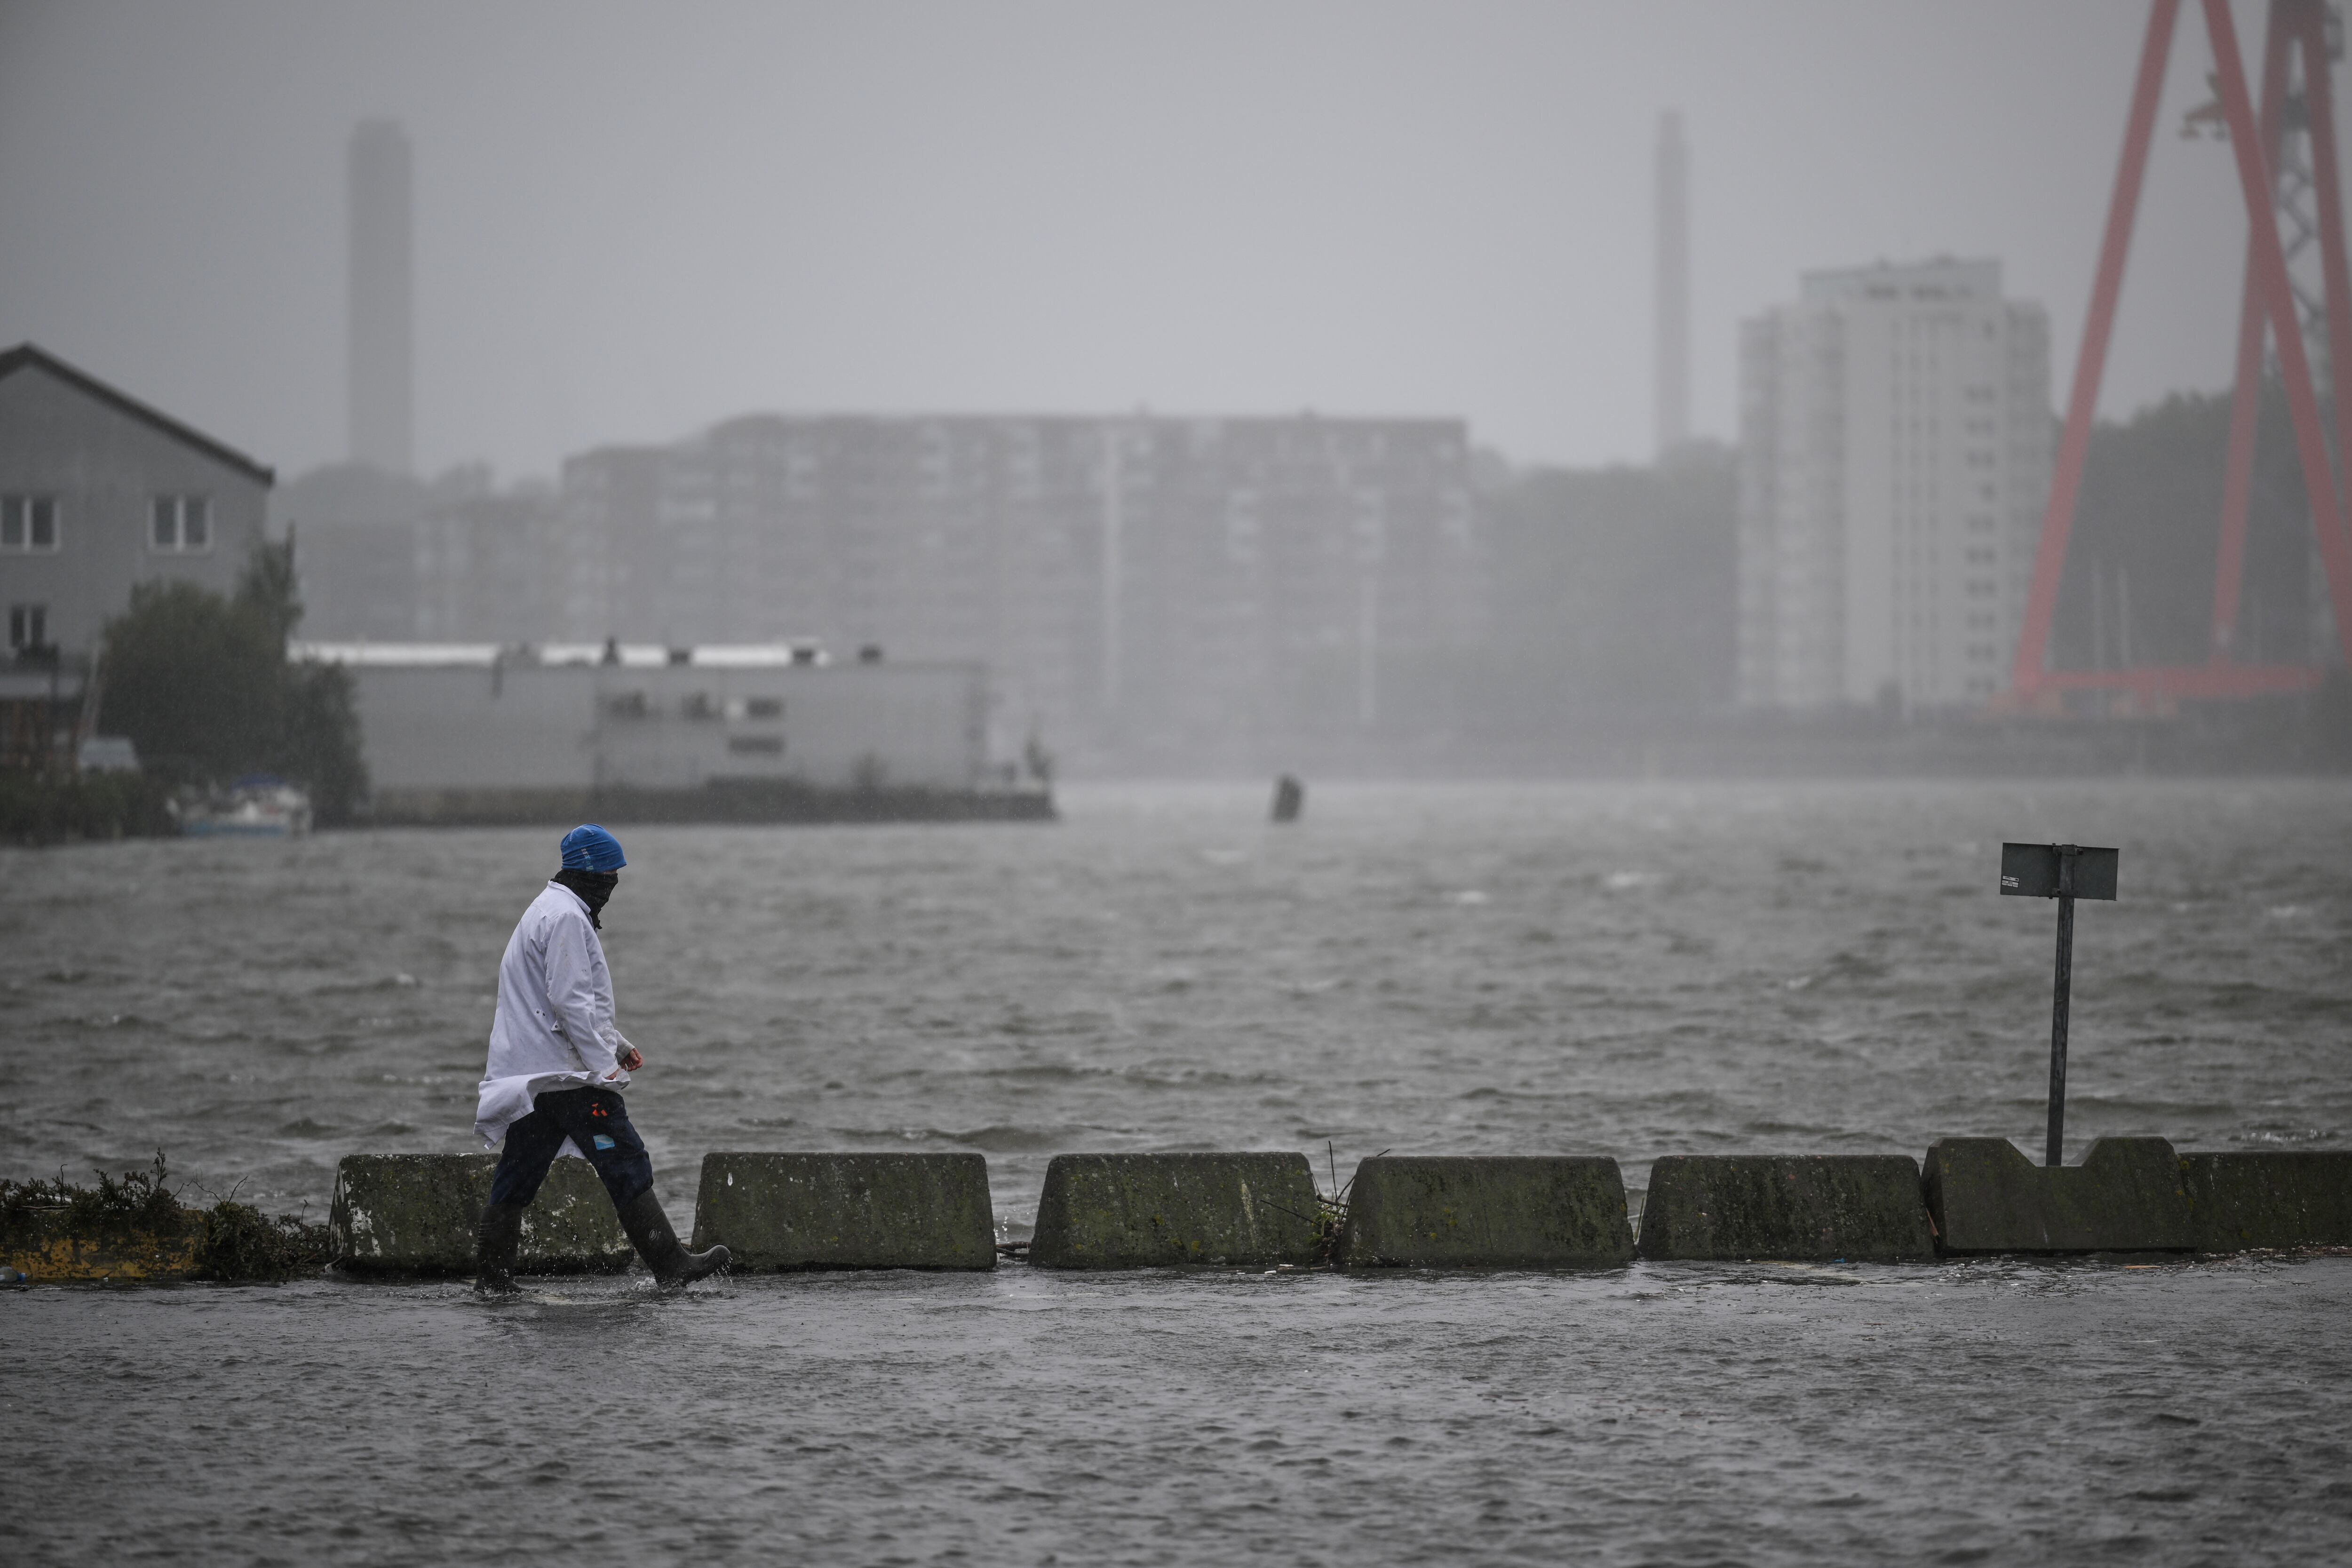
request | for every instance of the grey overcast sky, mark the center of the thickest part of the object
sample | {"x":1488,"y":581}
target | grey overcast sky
{"x":635,"y":220}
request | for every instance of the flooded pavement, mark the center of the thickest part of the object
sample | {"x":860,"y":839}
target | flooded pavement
{"x":2186,"y":1413}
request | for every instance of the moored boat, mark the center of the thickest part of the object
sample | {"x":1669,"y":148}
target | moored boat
{"x":261,"y":806}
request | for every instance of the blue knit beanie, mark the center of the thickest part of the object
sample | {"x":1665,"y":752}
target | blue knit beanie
{"x":589,"y":848}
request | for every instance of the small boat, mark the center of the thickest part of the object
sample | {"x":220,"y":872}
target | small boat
{"x":261,"y":806}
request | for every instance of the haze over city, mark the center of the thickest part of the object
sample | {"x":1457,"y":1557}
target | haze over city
{"x":1175,"y":782}
{"x":630,"y":224}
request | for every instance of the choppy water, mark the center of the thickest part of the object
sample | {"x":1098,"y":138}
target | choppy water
{"x":1615,"y":968}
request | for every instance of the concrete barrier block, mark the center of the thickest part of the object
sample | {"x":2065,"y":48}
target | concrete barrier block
{"x":1860,"y":1208}
{"x":50,"y":1245}
{"x":2125,"y":1197}
{"x":418,"y":1213}
{"x":1148,"y":1211}
{"x":2272,"y":1199}
{"x":847,"y":1211}
{"x":1434,"y":1211}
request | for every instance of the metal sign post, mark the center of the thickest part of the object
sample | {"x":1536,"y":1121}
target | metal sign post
{"x":2064,"y":872}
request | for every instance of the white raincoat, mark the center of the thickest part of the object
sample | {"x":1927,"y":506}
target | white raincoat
{"x":554,"y":1028}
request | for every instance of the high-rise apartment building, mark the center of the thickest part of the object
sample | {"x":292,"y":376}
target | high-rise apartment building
{"x":1895,"y":452}
{"x":1186,"y":585}
{"x":380,"y":356}
{"x":385,"y":558}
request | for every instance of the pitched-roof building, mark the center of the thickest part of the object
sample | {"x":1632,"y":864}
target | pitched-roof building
{"x":99,"y":492}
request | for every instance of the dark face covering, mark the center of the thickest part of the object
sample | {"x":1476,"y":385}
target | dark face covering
{"x":593,"y":888}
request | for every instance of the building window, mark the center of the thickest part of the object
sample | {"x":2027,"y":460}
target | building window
{"x":756,"y":745}
{"x":763,"y":708}
{"x":28,"y":524}
{"x":628,"y":705}
{"x":28,"y":627}
{"x":181,"y":524}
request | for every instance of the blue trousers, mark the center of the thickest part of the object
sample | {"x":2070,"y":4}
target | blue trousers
{"x":594,"y":1118}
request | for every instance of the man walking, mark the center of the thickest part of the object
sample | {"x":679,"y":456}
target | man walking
{"x":556,"y":1071}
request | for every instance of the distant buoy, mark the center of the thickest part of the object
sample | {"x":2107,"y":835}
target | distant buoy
{"x":1289,"y":798}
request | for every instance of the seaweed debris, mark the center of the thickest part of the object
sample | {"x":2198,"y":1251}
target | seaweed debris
{"x":1331,"y":1208}
{"x":141,"y":1198}
{"x":240,"y":1244}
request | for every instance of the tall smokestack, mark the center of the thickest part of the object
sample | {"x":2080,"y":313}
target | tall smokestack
{"x":380,"y":410}
{"x":1672,"y":370}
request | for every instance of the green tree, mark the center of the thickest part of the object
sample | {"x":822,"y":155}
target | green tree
{"x":202,"y":686}
{"x":2139,"y":579}
{"x":319,"y":739}
{"x":266,"y":590}
{"x":193,"y":682}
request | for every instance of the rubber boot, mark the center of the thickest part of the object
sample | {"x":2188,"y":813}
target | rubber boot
{"x":658,"y":1244}
{"x":496,"y":1248}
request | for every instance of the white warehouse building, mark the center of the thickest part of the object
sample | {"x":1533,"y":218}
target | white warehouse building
{"x":460,"y":733}
{"x":1896,"y":436}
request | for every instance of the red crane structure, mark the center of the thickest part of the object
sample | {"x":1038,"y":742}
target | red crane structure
{"x":2270,"y":305}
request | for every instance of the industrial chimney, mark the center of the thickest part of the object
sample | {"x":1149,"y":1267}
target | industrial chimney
{"x":1672,"y":382}
{"x":381,"y":405}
